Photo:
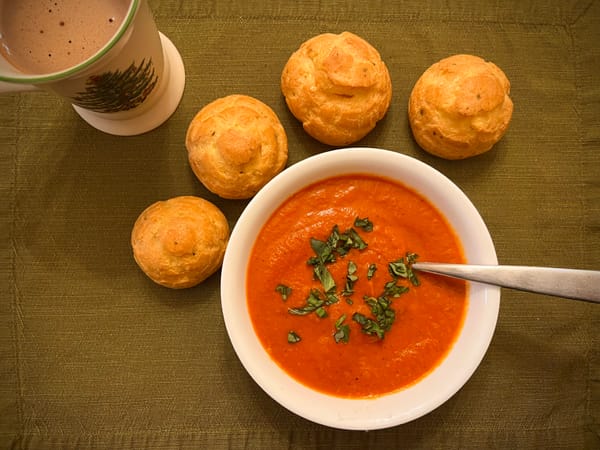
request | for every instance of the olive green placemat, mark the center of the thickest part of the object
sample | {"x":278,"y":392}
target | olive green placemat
{"x":94,"y":355}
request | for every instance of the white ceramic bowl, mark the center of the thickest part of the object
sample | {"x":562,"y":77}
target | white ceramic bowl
{"x":401,"y":406}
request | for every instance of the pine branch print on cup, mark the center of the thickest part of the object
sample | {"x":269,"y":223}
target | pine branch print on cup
{"x":118,"y":91}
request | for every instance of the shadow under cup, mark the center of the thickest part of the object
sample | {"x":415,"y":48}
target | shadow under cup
{"x":130,"y":85}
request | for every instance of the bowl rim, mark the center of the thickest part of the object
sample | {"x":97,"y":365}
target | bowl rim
{"x":408,"y":403}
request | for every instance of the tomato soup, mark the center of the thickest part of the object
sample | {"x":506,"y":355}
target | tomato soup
{"x":348,"y":325}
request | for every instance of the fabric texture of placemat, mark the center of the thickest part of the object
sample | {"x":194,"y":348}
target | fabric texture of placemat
{"x":95,"y":355}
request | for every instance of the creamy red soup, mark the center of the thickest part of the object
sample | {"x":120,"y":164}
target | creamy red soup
{"x":331,"y":293}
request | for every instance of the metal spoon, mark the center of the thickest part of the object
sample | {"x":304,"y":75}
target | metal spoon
{"x":568,"y":283}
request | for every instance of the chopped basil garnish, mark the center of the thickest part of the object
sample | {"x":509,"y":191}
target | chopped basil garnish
{"x":398,"y":269}
{"x":392,"y":289}
{"x":402,"y":268}
{"x":384,"y":317}
{"x":293,"y":338}
{"x":284,"y":290}
{"x":301,"y":311}
{"x":411,"y":258}
{"x":321,"y":312}
{"x":342,"y":330}
{"x":381,"y":309}
{"x":351,"y":278}
{"x":365,"y":224}
{"x":326,"y":252}
{"x":322,"y":274}
{"x":368,"y":326}
{"x":331,"y":299}
{"x":323,"y":250}
{"x":371,"y":271}
{"x":336,"y":244}
{"x":313,"y":302}
{"x":351,"y":239}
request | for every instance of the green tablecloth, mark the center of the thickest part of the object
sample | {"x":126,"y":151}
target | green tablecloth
{"x":95,"y":355}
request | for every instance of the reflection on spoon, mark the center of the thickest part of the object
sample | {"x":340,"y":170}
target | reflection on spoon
{"x":568,"y":283}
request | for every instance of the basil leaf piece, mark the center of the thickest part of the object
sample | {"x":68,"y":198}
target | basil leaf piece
{"x":411,"y":258}
{"x":351,"y":278}
{"x":392,"y":289}
{"x":371,"y":271}
{"x":324,"y":276}
{"x":398,"y":269}
{"x":331,"y":299}
{"x":349,"y":240}
{"x":359,"y":318}
{"x":402,"y":268}
{"x":412,"y":277}
{"x":365,"y":224}
{"x":337,"y":243}
{"x":356,"y":240}
{"x":284,"y":290}
{"x":323,"y":250}
{"x":342,"y":335}
{"x":342,"y":330}
{"x":293,"y":338}
{"x":321,"y":312}
{"x":383,"y":313}
{"x":314,"y":298}
{"x":334,"y":237}
{"x":313,"y":301}
{"x":305,"y":310}
{"x":368,"y":326}
{"x":352,"y":268}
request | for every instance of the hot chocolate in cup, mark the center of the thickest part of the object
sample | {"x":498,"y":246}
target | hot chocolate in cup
{"x":106,"y":57}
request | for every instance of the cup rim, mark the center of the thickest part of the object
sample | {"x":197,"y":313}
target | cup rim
{"x":55,"y":76}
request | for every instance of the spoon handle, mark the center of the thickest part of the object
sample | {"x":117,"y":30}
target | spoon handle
{"x":568,"y":283}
